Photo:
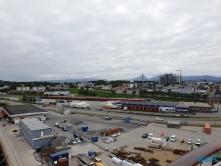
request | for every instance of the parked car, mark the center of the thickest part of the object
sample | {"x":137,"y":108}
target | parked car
{"x":166,"y":138}
{"x":48,"y":117}
{"x":76,"y":135}
{"x":56,"y":124}
{"x":73,"y":141}
{"x":78,"y":140}
{"x":59,"y":126}
{"x":204,"y":143}
{"x":145,"y":135}
{"x":159,"y":119}
{"x":83,"y":139}
{"x":64,"y":128}
{"x":197,"y":142}
{"x":173,"y":138}
{"x":193,"y":113}
{"x":189,"y":141}
{"x":150,"y":135}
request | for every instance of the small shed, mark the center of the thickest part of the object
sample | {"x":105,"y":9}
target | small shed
{"x":207,"y":128}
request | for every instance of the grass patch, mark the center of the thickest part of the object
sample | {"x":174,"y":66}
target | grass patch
{"x":121,"y":95}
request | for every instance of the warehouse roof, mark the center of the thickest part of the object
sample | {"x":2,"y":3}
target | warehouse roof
{"x":34,"y":124}
{"x":192,"y":104}
{"x":23,"y":110}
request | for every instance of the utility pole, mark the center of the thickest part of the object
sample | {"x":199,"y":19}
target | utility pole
{"x":180,"y":75}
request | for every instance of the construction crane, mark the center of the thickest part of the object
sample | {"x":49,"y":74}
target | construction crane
{"x":180,"y":75}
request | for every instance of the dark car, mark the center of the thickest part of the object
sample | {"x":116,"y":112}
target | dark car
{"x":83,"y":139}
{"x":166,"y":138}
{"x":145,"y":135}
{"x":64,"y":128}
{"x":76,"y":135}
{"x":193,"y":113}
{"x":204,"y":143}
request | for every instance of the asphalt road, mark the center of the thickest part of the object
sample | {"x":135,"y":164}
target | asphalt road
{"x":125,"y":114}
{"x":212,"y":118}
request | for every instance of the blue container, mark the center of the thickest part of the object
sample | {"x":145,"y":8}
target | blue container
{"x":127,"y":120}
{"x":94,"y":139}
{"x":62,"y":101}
{"x":38,"y":99}
{"x":62,"y":154}
{"x":84,"y":128}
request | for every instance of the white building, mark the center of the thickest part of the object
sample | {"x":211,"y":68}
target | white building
{"x":57,"y":93}
{"x":38,"y":88}
{"x":22,"y":88}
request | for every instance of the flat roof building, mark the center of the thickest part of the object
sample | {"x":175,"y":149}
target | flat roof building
{"x":17,"y":112}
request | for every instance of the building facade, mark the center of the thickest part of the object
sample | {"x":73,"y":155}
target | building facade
{"x":169,"y":79}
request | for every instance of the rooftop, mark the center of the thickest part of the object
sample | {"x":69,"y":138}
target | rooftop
{"x":19,"y":110}
{"x":192,"y":104}
{"x":34,"y":124}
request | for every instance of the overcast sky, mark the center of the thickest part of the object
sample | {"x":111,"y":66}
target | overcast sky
{"x":108,"y":39}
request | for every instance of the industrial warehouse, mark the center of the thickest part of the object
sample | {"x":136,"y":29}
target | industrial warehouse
{"x":16,"y":112}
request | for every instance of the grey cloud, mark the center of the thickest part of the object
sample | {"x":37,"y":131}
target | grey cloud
{"x":40,"y":40}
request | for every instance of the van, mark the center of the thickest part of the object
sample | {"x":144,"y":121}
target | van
{"x":125,"y":109}
{"x":42,"y":118}
{"x":173,"y":138}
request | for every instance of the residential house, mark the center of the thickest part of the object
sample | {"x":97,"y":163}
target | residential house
{"x":38,"y":88}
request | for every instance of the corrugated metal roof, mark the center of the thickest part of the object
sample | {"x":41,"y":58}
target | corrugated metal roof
{"x":34,"y":124}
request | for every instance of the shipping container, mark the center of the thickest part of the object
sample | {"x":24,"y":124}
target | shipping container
{"x":56,"y":156}
{"x":57,"y":101}
{"x":94,"y":139}
{"x":127,"y":120}
{"x":207,"y":128}
{"x":52,"y":103}
{"x":84,"y":128}
{"x":20,"y":99}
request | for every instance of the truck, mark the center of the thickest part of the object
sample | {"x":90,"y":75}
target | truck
{"x":79,"y":104}
{"x":167,"y":109}
{"x":158,"y":141}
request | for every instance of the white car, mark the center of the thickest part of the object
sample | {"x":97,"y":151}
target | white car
{"x":78,"y":140}
{"x":150,"y":136}
{"x":197,"y":142}
{"x":173,"y":138}
{"x":56,"y":124}
{"x":158,"y":119}
{"x":189,"y":142}
{"x":73,"y":141}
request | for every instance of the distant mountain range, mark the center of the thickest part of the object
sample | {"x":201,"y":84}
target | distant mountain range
{"x":76,"y":80}
{"x":155,"y":78}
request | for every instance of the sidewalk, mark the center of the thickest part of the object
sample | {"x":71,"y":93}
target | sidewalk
{"x":19,"y":153}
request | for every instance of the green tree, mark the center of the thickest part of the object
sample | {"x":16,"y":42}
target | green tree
{"x":113,"y":92}
{"x":134,"y":92}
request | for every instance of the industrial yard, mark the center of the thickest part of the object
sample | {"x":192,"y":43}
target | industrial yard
{"x":129,"y":144}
